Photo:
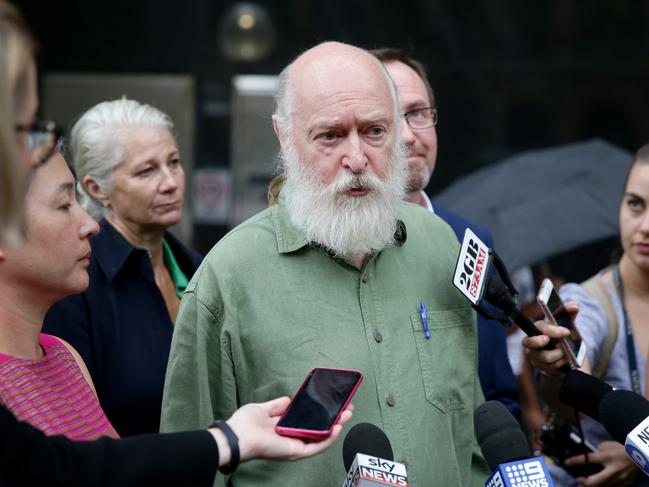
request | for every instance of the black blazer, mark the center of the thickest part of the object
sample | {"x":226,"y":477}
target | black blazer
{"x":28,"y":457}
{"x":121,"y":327}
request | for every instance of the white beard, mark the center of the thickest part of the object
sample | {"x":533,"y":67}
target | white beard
{"x":346,"y":225}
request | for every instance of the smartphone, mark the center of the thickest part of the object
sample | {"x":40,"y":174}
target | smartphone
{"x":319,"y":402}
{"x":556,"y":313}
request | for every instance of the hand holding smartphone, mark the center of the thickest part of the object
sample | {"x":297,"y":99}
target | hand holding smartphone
{"x":555,"y":312}
{"x":319,"y":402}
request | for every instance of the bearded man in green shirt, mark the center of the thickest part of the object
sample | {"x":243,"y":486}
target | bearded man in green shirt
{"x":333,"y":274}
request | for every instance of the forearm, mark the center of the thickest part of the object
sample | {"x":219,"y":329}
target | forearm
{"x":28,"y":457}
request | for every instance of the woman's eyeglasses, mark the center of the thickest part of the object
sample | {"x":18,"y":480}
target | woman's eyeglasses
{"x":42,"y":139}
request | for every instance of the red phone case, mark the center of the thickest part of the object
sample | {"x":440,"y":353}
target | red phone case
{"x":317,"y":434}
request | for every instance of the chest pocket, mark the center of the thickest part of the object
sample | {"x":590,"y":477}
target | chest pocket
{"x":448,"y":358}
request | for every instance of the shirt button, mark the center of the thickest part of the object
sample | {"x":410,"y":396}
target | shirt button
{"x":377,"y":336}
{"x":404,"y":462}
{"x":364,"y":279}
{"x":391,"y":400}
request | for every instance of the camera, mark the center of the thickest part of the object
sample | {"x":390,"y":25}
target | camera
{"x":560,"y":440}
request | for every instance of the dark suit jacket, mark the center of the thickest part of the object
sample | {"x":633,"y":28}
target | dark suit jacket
{"x":28,"y":457}
{"x":496,"y":376}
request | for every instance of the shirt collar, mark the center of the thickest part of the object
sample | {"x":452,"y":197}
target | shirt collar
{"x":429,"y":204}
{"x":110,"y":249}
{"x":290,"y":238}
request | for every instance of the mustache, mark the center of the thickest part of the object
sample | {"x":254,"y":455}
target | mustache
{"x":348,"y":180}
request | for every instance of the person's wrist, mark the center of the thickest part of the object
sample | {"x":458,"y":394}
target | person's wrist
{"x":558,"y":376}
{"x":229,"y":466}
{"x":222,"y":445}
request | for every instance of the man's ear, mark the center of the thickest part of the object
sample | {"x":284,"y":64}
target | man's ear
{"x":278,"y":131}
{"x":95,"y":192}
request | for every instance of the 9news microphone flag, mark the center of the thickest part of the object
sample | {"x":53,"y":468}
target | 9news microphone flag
{"x":505,"y":448}
{"x":624,"y":414}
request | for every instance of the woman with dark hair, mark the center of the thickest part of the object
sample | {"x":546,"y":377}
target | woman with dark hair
{"x":610,"y":303}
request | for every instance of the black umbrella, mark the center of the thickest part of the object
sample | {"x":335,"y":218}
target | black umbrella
{"x":543,"y":202}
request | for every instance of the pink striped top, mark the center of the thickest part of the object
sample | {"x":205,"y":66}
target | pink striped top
{"x":52,"y":394}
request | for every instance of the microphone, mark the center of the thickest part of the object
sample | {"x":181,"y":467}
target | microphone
{"x":483,"y":278}
{"x":506,"y":450}
{"x":368,"y":459}
{"x":625,"y":415}
{"x":583,"y":392}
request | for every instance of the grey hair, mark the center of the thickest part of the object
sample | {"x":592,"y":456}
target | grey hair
{"x":283,"y":103}
{"x":396,"y":104}
{"x":98,"y":141}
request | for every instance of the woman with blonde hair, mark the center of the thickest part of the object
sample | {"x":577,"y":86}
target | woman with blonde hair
{"x":18,"y":72}
{"x":27,"y":456}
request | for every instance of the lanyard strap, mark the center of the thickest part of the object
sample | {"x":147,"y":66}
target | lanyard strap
{"x":630,"y":342}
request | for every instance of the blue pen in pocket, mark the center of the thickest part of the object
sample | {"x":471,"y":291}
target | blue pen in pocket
{"x":424,"y":319}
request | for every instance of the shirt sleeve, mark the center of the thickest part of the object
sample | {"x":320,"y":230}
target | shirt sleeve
{"x":28,"y":457}
{"x":199,"y":385}
{"x":591,"y":321}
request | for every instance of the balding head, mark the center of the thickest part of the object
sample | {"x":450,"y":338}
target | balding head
{"x":337,"y":120}
{"x":326,"y":72}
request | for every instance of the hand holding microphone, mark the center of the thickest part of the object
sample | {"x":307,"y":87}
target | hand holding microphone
{"x":483,"y":279}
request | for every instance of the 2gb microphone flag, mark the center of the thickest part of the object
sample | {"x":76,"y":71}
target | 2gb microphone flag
{"x":471,"y":268}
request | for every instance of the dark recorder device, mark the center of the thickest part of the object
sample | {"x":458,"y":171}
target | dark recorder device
{"x":319,"y":402}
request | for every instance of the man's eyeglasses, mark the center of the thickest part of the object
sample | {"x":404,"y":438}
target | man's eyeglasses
{"x":42,"y":139}
{"x":421,"y":118}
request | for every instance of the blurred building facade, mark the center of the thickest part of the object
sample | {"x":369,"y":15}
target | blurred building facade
{"x":508,"y":75}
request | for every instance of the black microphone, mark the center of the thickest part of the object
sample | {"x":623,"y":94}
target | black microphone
{"x":368,"y":458}
{"x":483,"y":278}
{"x":625,"y":415}
{"x":499,"y":435}
{"x":368,"y":439}
{"x":505,"y":448}
{"x":622,"y":412}
{"x":583,"y":392}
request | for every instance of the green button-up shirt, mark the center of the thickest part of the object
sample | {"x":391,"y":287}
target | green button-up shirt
{"x":266,"y":306}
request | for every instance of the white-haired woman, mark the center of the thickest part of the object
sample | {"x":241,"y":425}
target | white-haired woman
{"x":131,"y":179}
